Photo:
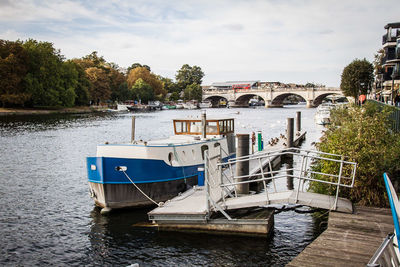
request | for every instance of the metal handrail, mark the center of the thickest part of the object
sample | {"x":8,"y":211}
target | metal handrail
{"x":302,"y":173}
{"x":385,"y":255}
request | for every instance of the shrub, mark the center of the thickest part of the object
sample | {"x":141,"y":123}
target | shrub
{"x":362,"y":135}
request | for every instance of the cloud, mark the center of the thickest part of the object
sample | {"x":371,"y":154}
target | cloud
{"x":290,"y":41}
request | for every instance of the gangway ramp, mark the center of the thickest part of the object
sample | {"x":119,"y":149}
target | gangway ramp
{"x":289,"y":197}
{"x":300,"y":170}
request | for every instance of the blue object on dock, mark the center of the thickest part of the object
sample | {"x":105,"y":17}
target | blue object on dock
{"x":200,"y":176}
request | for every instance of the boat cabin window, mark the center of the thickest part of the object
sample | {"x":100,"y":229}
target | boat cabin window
{"x":213,"y":127}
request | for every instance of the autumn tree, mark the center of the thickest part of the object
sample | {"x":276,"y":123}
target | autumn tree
{"x":13,"y":59}
{"x":99,"y":84}
{"x":94,"y":60}
{"x":138,"y":65}
{"x":148,"y":77}
{"x":357,"y":78}
{"x":106,"y":80}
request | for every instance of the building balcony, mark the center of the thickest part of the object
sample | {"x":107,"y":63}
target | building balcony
{"x":396,"y":72}
{"x":391,"y":38}
{"x":397,"y":51}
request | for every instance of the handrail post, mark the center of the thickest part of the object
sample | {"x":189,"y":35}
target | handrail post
{"x":206,"y":176}
{"x":242,"y":167}
{"x":298,"y":187}
{"x":263,"y":179}
{"x":338,"y":184}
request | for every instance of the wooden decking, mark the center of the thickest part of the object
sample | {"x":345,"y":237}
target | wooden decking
{"x":350,"y":240}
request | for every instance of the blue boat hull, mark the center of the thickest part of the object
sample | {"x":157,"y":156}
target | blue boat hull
{"x":103,"y":170}
{"x":111,"y":188}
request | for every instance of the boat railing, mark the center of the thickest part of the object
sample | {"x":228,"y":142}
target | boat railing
{"x":222,"y":179}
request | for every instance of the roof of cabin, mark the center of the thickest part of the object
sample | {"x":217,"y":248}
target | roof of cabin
{"x":393,"y":25}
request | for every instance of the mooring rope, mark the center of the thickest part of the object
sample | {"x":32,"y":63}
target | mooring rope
{"x":179,"y":162}
{"x":158,"y":204}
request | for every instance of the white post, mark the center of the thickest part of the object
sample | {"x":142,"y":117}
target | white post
{"x":133,"y":129}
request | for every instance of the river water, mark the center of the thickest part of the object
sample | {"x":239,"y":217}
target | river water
{"x":48,"y":218}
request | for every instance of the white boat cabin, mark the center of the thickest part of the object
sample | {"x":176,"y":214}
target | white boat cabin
{"x":214,"y":127}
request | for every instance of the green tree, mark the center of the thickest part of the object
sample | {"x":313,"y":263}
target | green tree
{"x":357,"y":78}
{"x":193,"y":91}
{"x":69,"y":78}
{"x":169,"y":85}
{"x":46,"y":74}
{"x":82,"y":86}
{"x":13,"y":59}
{"x":188,"y":75}
{"x":361,"y":135}
{"x":122,"y":93}
{"x":142,"y":91}
{"x":174,"y":96}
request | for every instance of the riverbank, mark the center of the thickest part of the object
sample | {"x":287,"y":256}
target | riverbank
{"x":33,"y":111}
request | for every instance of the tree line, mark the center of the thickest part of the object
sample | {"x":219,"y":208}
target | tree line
{"x":34,"y":73}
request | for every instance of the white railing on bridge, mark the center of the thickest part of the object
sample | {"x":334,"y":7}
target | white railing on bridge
{"x":221,"y":178}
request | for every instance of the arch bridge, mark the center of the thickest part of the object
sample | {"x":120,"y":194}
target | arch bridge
{"x":273,"y":97}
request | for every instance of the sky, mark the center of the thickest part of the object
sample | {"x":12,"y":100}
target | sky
{"x":288,"y":41}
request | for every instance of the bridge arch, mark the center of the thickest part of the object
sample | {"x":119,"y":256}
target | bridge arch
{"x":243,"y":100}
{"x":318,"y":100}
{"x":278,"y":100}
{"x":215,"y":100}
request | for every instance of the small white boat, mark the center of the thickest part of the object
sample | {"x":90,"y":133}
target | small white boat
{"x":179,"y":104}
{"x":190,"y":105}
{"x":122,"y":107}
{"x":205,"y":104}
{"x":323,"y":115}
{"x":160,"y":168}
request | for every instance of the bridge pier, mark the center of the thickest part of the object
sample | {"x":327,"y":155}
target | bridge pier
{"x":310,"y":104}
